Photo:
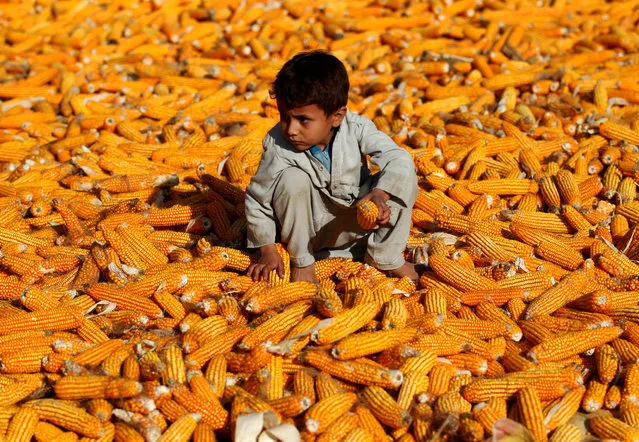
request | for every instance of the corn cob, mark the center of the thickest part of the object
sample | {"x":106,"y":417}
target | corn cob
{"x":367,"y":343}
{"x":23,"y":425}
{"x":354,"y":371}
{"x":610,"y":427}
{"x":483,"y":389}
{"x":323,"y":413}
{"x":68,"y":416}
{"x":367,"y":214}
{"x":279,"y":296}
{"x":568,"y":344}
{"x":385,"y":409}
{"x":211,"y":411}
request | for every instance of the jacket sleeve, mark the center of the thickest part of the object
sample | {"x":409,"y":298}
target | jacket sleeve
{"x":260,"y":217}
{"x":397,"y":174}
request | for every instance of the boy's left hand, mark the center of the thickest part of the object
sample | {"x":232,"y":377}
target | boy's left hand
{"x":379,"y":197}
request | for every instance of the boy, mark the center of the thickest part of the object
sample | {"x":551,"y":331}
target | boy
{"x":313,"y":172}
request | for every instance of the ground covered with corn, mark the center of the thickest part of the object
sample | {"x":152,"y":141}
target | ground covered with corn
{"x":129,"y":130}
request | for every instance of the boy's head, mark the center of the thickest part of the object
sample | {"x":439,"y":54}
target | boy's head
{"x":314,"y":77}
{"x":311,"y":91}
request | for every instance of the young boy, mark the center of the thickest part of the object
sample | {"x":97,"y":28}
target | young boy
{"x":313,"y":172}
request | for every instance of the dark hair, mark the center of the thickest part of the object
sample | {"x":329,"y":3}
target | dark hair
{"x":313,"y":77}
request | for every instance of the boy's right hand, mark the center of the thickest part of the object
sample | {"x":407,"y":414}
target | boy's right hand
{"x":269,"y":260}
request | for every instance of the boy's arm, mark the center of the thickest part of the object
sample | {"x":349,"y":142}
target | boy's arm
{"x":397,"y":176}
{"x":260,"y":217}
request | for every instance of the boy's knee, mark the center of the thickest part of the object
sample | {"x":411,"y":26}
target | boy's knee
{"x":293,"y":183}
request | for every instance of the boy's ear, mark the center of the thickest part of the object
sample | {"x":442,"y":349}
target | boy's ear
{"x":338,"y":116}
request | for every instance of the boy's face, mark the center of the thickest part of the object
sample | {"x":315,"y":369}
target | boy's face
{"x":307,"y":126}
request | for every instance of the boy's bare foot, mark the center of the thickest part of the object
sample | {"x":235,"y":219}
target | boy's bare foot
{"x":408,"y":269}
{"x":303,"y":273}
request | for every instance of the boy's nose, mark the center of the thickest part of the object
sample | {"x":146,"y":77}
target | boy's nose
{"x":291,"y":129}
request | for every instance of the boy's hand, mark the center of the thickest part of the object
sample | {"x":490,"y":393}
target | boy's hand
{"x":269,"y":260}
{"x":379,"y":197}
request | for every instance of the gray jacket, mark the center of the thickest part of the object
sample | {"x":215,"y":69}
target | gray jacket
{"x":357,"y":137}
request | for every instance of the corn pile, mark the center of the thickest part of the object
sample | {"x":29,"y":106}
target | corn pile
{"x":129,"y":131}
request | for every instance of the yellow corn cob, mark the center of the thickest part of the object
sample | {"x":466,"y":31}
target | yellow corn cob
{"x":557,"y":296}
{"x":459,"y":277}
{"x":104,"y":292}
{"x":228,"y":308}
{"x":395,"y":315}
{"x":414,"y":384}
{"x":141,"y":245}
{"x":326,"y":385}
{"x":612,"y":428}
{"x":568,"y":188}
{"x":323,"y":413}
{"x":569,"y":344}
{"x":629,"y":412}
{"x":483,"y":329}
{"x":275,"y":328}
{"x":126,"y":432}
{"x":613,"y":397}
{"x":98,"y":387}
{"x":607,"y":362}
{"x":546,"y":222}
{"x":170,"y":304}
{"x":339,"y":428}
{"x":367,"y":214}
{"x":46,"y":431}
{"x":327,"y":302}
{"x":98,"y":353}
{"x":222,"y":343}
{"x":113,"y":364}
{"x":367,"y":343}
{"x":439,"y":379}
{"x":274,"y":384}
{"x":198,"y":333}
{"x":204,"y":433}
{"x":385,"y":409}
{"x":567,"y":432}
{"x":280,"y":296}
{"x":530,"y":413}
{"x":182,"y":429}
{"x":174,"y":369}
{"x":503,"y":187}
{"x":68,"y":416}
{"x":212,"y":412}
{"x":475,"y":364}
{"x":131,"y":368}
{"x":354,"y":371}
{"x":630,"y":390}
{"x":345,"y":322}
{"x":484,"y":389}
{"x":23,"y":425}
{"x":304,"y":385}
{"x":61,"y":318}
{"x":289,"y":406}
